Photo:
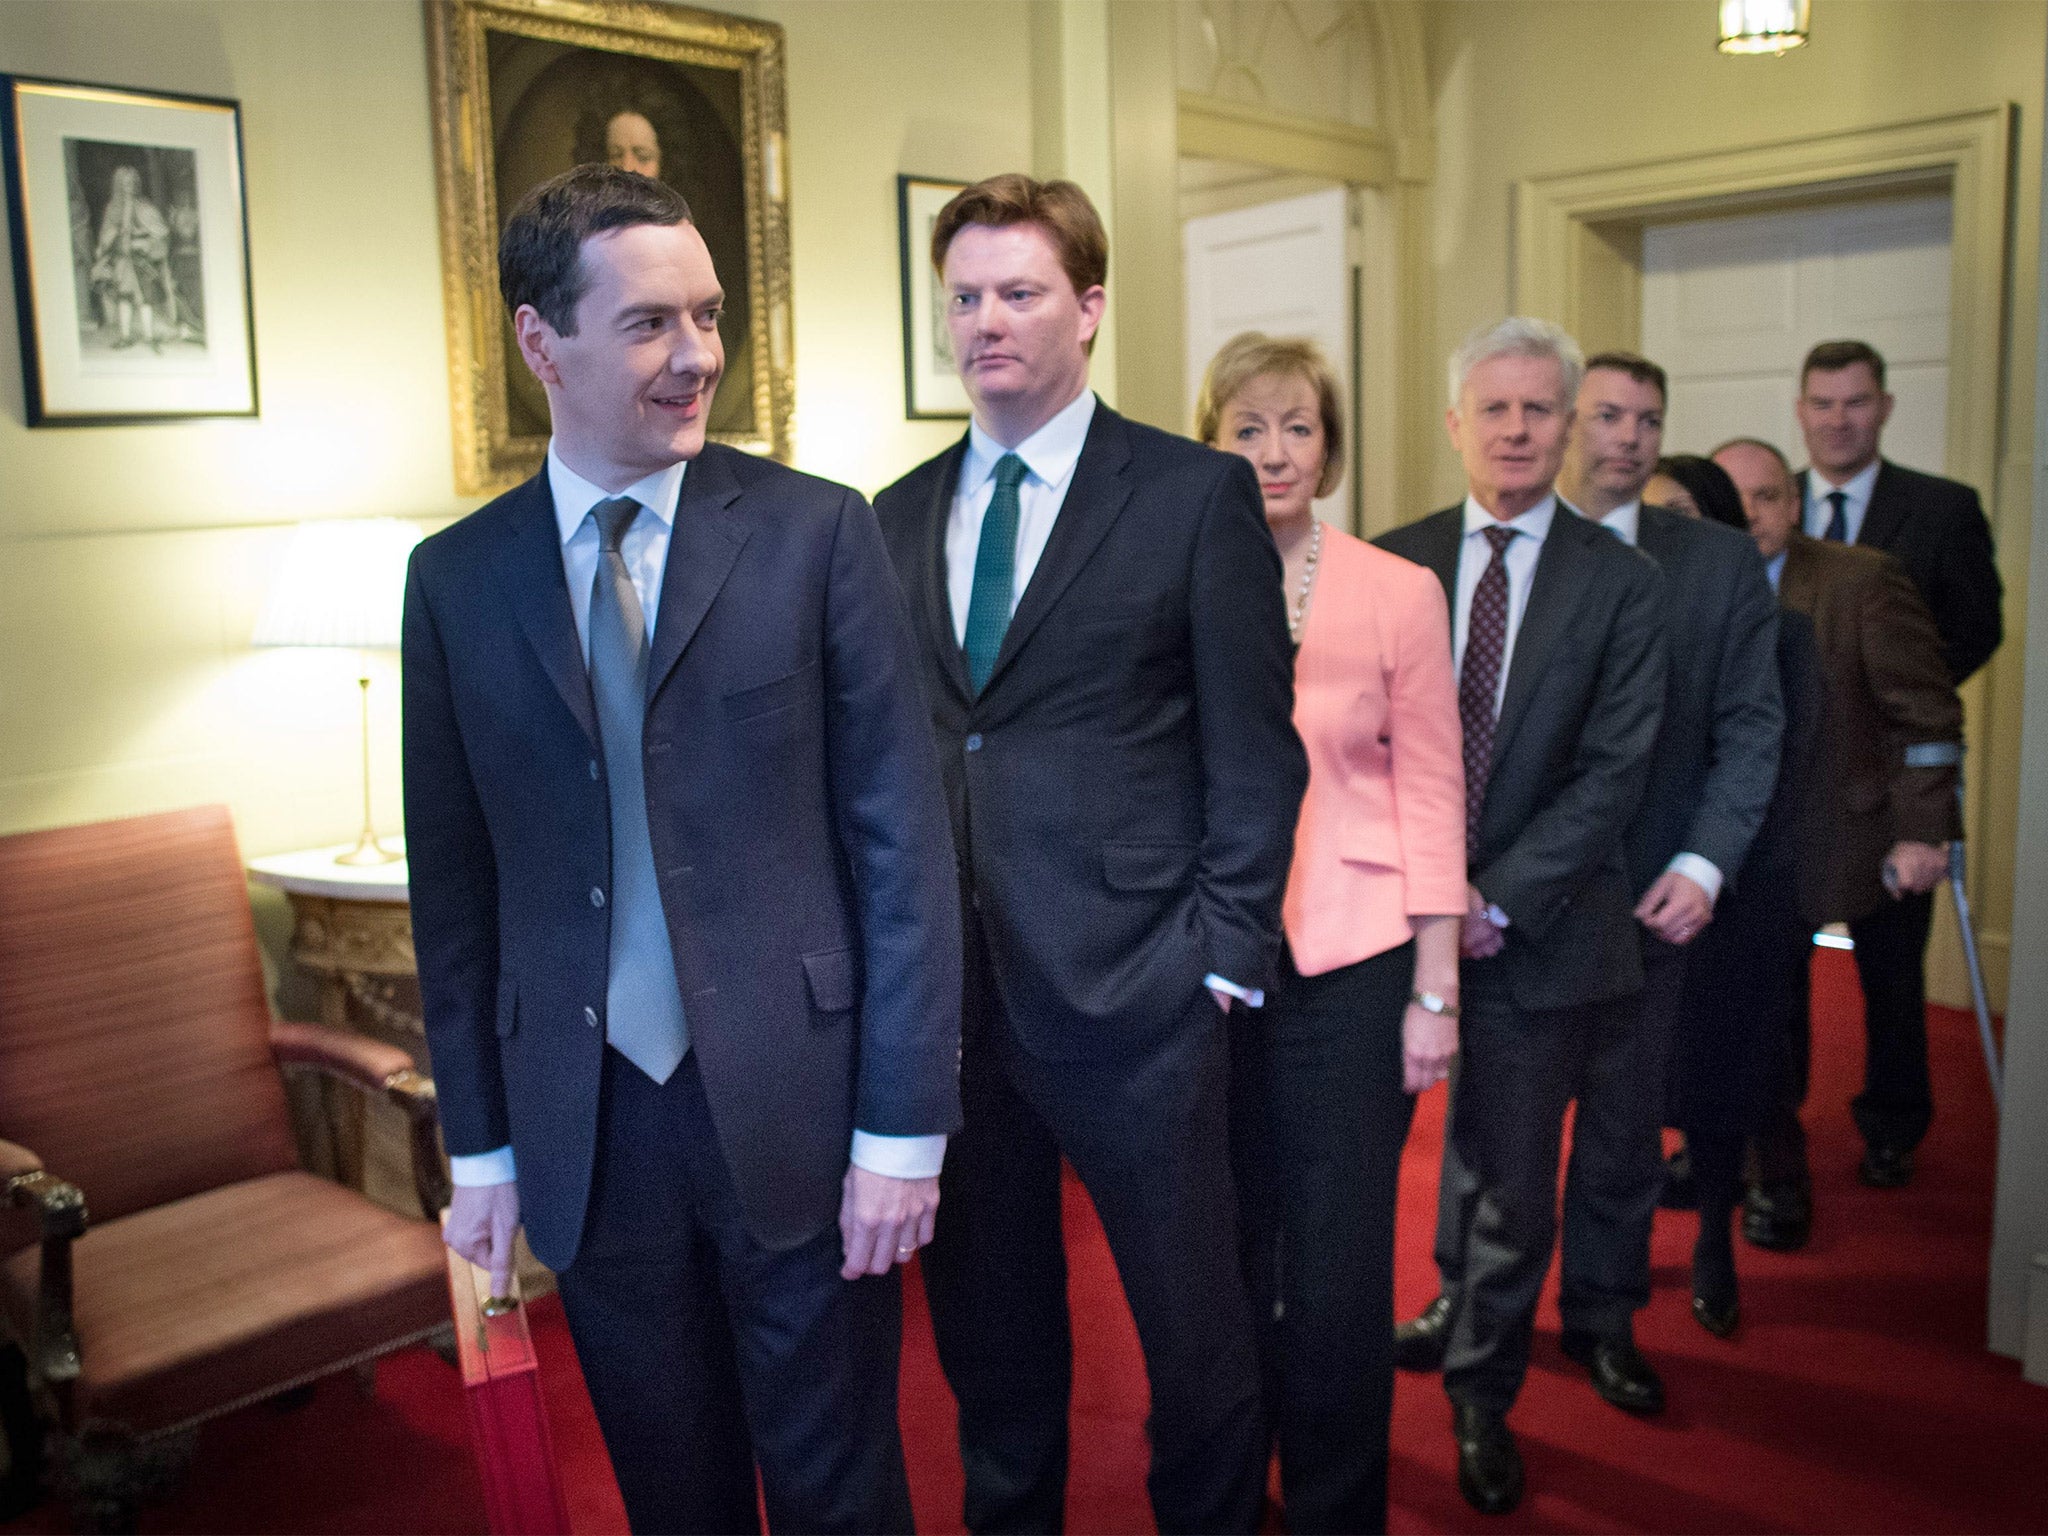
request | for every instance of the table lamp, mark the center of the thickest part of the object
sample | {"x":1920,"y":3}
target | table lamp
{"x":343,"y":584}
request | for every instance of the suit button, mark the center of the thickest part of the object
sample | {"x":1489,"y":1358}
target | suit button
{"x":590,"y":1017}
{"x":596,"y":897}
{"x":973,"y":742}
{"x":593,"y":769}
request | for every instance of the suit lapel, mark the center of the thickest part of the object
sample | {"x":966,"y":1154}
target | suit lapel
{"x":530,"y":564}
{"x":701,"y":552}
{"x":1442,"y":537}
{"x":937,"y":599}
{"x":1094,"y":499}
{"x":1887,"y":509}
{"x":1554,"y":597}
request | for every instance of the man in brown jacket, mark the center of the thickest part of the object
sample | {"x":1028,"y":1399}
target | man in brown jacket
{"x":1876,"y":843}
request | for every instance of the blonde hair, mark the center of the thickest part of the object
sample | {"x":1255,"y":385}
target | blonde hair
{"x":1253,"y":355}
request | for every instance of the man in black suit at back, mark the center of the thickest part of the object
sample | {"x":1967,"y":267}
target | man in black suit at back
{"x":1936,"y":530}
{"x":1559,"y":636}
{"x":1711,"y":779}
{"x":1851,"y":495}
{"x":1104,"y":650}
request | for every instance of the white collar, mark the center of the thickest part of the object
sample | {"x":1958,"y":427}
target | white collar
{"x":1532,"y":524}
{"x":1857,"y":487}
{"x":1626,"y":521}
{"x":575,"y":496}
{"x":1050,"y":453}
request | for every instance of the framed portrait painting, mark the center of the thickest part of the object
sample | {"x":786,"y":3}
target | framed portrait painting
{"x":131,"y":253}
{"x":931,"y":388}
{"x":525,"y":89}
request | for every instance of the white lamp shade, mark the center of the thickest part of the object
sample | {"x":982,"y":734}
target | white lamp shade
{"x":342,"y":583}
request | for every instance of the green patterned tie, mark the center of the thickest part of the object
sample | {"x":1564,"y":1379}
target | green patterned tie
{"x":995,"y":573}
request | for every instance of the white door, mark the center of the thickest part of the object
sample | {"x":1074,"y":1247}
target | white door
{"x":1731,"y":305}
{"x":1283,"y":268}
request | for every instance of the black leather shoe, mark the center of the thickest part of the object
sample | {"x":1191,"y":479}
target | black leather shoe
{"x":1620,"y":1374}
{"x":1886,"y":1167}
{"x":1419,"y":1346}
{"x":1777,"y":1216}
{"x":1681,"y":1192}
{"x":1489,"y":1466}
{"x":1720,"y":1316}
{"x":1715,"y":1304}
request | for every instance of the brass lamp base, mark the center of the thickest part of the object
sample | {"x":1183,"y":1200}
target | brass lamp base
{"x":367,"y":849}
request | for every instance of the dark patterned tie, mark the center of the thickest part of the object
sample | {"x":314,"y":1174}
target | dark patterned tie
{"x":995,"y":573}
{"x":1838,"y":520}
{"x":643,"y":1013}
{"x":1486,"y":642}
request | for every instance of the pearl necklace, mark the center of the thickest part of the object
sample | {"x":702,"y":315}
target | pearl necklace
{"x":1308,"y":580}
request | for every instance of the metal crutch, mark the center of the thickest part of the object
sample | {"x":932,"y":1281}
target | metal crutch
{"x":1945,"y":754}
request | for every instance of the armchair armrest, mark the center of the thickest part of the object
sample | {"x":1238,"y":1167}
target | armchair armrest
{"x":17,"y":1160}
{"x":60,"y":1209}
{"x":375,"y":1068}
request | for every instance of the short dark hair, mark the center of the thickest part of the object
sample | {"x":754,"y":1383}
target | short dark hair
{"x":1755,"y":442}
{"x":1639,"y":368}
{"x":1833,"y":356}
{"x":540,"y":255}
{"x":1708,"y":485}
{"x":1059,"y":208}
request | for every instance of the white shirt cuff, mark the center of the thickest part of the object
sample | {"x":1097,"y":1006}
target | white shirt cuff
{"x":1701,"y":872}
{"x":1251,"y":997}
{"x":1495,"y":916}
{"x":899,"y":1157}
{"x":480,"y":1168}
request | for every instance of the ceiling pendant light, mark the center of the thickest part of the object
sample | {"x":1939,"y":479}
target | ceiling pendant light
{"x":1763,"y":26}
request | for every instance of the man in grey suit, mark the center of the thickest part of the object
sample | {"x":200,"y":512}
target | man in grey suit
{"x":1711,"y":777}
{"x":1559,"y":639}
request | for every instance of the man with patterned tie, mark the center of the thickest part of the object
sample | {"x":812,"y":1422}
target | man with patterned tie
{"x":682,"y":896}
{"x":1104,"y":651}
{"x":1559,"y":640}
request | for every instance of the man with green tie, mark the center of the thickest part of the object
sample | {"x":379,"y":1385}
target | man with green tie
{"x":1105,"y":654}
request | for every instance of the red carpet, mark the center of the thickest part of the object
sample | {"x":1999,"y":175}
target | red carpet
{"x":1857,"y":1397}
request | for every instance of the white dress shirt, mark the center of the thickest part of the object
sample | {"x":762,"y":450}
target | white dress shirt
{"x":1856,"y":489}
{"x":1050,"y":455}
{"x":1625,"y":522}
{"x":645,"y":551}
{"x":1475,"y":554}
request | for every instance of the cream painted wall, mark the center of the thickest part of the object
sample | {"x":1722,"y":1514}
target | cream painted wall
{"x":133,"y":559}
{"x":1543,"y":87}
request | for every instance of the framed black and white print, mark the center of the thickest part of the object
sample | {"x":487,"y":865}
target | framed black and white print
{"x":931,"y":387}
{"x":130,"y":237}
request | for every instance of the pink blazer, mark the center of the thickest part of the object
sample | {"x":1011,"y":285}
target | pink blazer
{"x":1382,"y":832}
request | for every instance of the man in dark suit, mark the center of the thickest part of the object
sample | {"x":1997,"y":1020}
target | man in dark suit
{"x":1104,"y":651}
{"x":1711,"y":777}
{"x":682,"y":896}
{"x":1850,"y":495}
{"x":1558,"y":633}
{"x":1887,"y":808}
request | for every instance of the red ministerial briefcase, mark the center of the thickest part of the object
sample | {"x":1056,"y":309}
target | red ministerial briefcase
{"x":508,"y":1423}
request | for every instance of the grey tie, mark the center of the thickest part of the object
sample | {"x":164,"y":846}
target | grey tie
{"x":643,"y":1005}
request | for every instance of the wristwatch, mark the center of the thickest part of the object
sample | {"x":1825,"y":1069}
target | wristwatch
{"x":1429,"y":1002}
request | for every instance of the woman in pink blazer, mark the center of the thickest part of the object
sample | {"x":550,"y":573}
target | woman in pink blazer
{"x":1364,"y":1014}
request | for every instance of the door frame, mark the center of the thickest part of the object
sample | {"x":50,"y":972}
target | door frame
{"x":1577,"y":257}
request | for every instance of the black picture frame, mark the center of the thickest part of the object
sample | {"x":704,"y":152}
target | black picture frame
{"x":128,"y":226}
{"x":931,"y":389}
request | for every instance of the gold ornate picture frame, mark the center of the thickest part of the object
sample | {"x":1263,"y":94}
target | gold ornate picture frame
{"x":523,"y":89}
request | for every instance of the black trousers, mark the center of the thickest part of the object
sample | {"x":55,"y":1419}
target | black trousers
{"x":706,"y":1353}
{"x":1897,"y":1101}
{"x":1518,"y":1071}
{"x":1318,"y":1115}
{"x":1146,"y":1132}
{"x":1739,"y":1058}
